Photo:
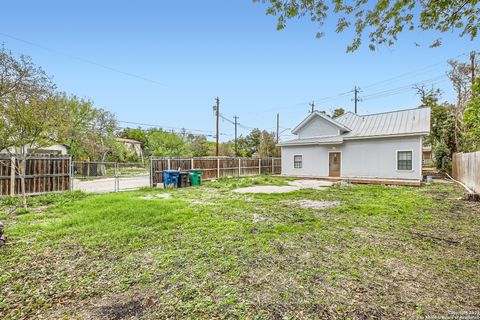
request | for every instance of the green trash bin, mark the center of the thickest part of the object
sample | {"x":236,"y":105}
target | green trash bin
{"x":195,"y":177}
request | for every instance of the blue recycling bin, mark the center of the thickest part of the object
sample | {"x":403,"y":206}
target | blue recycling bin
{"x":170,"y":178}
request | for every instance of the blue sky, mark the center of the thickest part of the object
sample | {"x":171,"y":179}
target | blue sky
{"x":197,"y":50}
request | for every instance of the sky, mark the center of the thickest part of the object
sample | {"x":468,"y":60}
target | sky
{"x":163,"y":63}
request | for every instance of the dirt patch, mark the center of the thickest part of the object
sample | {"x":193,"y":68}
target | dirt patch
{"x":311,"y":184}
{"x":313,"y":204}
{"x":267,"y":189}
{"x":293,"y":186}
{"x":156,"y":196}
{"x":119,"y":310}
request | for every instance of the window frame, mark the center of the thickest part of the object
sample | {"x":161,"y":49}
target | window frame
{"x":295,"y":162}
{"x":397,"y":152}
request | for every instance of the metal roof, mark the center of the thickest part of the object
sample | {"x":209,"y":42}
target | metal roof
{"x":387,"y":124}
{"x":403,"y":122}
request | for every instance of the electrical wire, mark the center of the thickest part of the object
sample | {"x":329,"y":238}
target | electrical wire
{"x":125,"y":73}
{"x":200,"y":132}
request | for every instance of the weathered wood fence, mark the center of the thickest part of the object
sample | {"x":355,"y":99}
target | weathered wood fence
{"x":466,"y":168}
{"x":214,"y":168}
{"x":43,"y":173}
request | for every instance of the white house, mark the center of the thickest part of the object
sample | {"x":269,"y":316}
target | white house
{"x":377,"y":146}
{"x":53,"y":149}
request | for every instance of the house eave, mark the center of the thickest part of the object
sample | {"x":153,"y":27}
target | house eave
{"x":412,"y":134}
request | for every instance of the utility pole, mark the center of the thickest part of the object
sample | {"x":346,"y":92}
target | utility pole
{"x":356,"y":99}
{"x":312,"y":105}
{"x":236,"y":123}
{"x":472,"y":66}
{"x":216,"y":108}
{"x":278,"y":126}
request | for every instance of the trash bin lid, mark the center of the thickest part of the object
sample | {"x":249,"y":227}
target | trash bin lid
{"x":171,"y":171}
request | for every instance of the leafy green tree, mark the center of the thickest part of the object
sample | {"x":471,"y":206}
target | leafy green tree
{"x":267,"y":147}
{"x":166,"y":144}
{"x":471,"y":118}
{"x":27,"y":125}
{"x":338,"y":112}
{"x":29,"y":113}
{"x":200,"y":146}
{"x":78,"y":117}
{"x":381,"y":22}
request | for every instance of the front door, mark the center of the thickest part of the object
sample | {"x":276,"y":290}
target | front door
{"x":334,"y":164}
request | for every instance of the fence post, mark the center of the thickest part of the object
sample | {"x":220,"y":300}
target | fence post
{"x":116,"y":185}
{"x":168,"y":164}
{"x":151,"y":171}
{"x":191,"y":164}
{"x":70,"y":171}
{"x":259,"y":165}
{"x":273,"y":166}
{"x":218,"y":167}
{"x":12,"y":176}
{"x":239,"y":167}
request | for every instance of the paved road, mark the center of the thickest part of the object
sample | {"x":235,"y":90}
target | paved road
{"x":105,"y":185}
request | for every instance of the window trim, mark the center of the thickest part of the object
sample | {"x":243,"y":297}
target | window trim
{"x":301,"y":162}
{"x":396,"y":160}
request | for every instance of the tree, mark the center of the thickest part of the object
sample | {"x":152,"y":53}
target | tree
{"x":382,"y":21}
{"x":29,"y":112}
{"x":200,"y":146}
{"x":461,"y":80}
{"x":472,"y":118}
{"x":166,"y":144}
{"x":22,"y":78}
{"x":338,"y":112}
{"x":248,"y":145}
{"x":267,"y":147}
{"x":77,"y":125}
{"x":27,"y":126}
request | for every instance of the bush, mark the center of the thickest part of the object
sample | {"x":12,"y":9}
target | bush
{"x":443,"y":158}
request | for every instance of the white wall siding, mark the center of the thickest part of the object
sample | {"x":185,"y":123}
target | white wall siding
{"x":366,"y":158}
{"x":314,"y":162}
{"x":377,"y":158}
{"x":318,"y":127}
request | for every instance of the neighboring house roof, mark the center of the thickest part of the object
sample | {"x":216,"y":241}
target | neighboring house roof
{"x":319,"y":114}
{"x":387,"y":124}
{"x":128,"y":141}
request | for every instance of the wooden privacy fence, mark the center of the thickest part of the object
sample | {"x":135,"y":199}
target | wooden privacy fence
{"x":214,"y":168}
{"x":43,"y":173}
{"x":466,"y":168}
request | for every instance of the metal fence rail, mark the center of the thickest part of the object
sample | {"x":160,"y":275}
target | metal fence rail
{"x":103,"y":177}
{"x":43,"y":174}
{"x":214,"y":168}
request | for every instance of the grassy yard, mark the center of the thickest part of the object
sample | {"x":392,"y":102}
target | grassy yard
{"x":207,"y":252}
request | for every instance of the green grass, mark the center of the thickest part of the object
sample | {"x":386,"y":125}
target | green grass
{"x":207,"y":252}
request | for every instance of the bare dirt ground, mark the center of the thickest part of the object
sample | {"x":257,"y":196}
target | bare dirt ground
{"x":293,"y":186}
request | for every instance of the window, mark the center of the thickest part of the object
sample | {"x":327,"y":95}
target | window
{"x":404,"y":160}
{"x":297,"y":162}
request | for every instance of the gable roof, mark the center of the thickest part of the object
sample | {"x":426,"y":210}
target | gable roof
{"x":402,"y":122}
{"x":321,"y":115}
{"x":408,"y":122}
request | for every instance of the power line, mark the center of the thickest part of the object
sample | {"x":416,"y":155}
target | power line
{"x":405,"y":88}
{"x":201,"y":132}
{"x":387,"y":81}
{"x":129,"y":74}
